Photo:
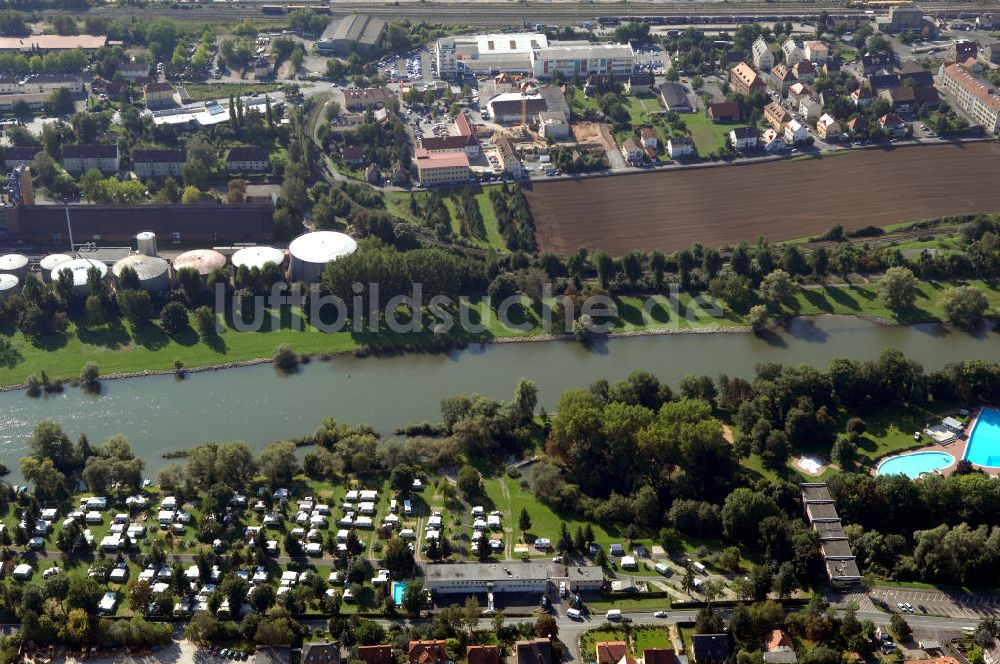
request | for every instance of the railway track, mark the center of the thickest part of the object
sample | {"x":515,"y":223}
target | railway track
{"x":506,"y":13}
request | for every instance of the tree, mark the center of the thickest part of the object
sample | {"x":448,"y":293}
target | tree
{"x":777,"y":287}
{"x":202,"y":629}
{"x":91,"y":183}
{"x":469,"y":481}
{"x":205,"y":321}
{"x":278,"y":463}
{"x":758,"y":318}
{"x":524,"y":521}
{"x":898,"y":288}
{"x":237,"y":192}
{"x":94,"y":310}
{"x":174,"y":317}
{"x":136,"y":306}
{"x":398,"y":558}
{"x":191,"y":196}
{"x":963,"y":305}
{"x":413,"y":597}
{"x":90,"y":376}
{"x":900,"y":628}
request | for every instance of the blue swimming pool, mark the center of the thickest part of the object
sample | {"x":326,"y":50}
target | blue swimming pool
{"x":984,"y":441}
{"x":916,"y":464}
{"x":398,"y":588}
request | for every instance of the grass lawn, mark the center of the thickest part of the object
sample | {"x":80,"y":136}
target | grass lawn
{"x":203,"y":91}
{"x":398,"y":203}
{"x":590,"y":639}
{"x":629,"y":604}
{"x":647,"y":636}
{"x":708,"y":136}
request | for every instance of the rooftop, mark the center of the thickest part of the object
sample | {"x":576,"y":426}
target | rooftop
{"x":428,"y":160}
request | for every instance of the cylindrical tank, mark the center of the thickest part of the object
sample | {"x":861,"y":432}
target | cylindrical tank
{"x":9,"y":285}
{"x":310,"y":253}
{"x":51,"y":262}
{"x":153,"y":271}
{"x":146,"y":243}
{"x":258,"y":257}
{"x":16,"y":264}
{"x":205,"y":261}
{"x":79,"y":267}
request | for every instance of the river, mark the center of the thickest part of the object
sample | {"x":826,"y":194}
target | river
{"x":258,"y":405}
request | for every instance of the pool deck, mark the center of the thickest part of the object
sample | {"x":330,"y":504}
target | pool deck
{"x":956,"y":448}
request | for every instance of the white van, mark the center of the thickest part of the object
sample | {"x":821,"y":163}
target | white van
{"x":698,"y":567}
{"x":614,"y":614}
{"x":661,"y":568}
{"x":574,"y":614}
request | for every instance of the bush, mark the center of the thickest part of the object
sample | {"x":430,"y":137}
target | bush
{"x":174,"y":317}
{"x":285,"y":358}
{"x":90,"y":376}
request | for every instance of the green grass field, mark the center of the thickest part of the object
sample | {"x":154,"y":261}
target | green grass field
{"x":708,"y":136}
{"x":205,"y":91}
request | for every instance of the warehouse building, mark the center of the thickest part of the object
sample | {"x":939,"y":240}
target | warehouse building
{"x":358,"y":33}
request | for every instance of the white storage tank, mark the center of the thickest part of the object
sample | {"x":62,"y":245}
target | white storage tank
{"x":9,"y":285}
{"x":205,"y":261}
{"x":258,"y":257}
{"x":51,"y":262}
{"x":79,"y":267}
{"x":312,"y":252}
{"x":153,"y":271}
{"x":146,"y":243}
{"x":16,"y":264}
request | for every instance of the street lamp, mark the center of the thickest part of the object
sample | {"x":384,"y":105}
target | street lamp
{"x":69,"y":224}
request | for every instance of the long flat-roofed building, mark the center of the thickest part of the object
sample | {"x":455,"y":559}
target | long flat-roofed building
{"x":616,"y":60}
{"x":509,"y":576}
{"x":973,"y":94}
{"x":442,"y":167}
{"x":494,"y":52}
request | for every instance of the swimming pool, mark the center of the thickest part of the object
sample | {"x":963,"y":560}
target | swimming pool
{"x":916,"y":464}
{"x":984,"y":441}
{"x":398,"y":588}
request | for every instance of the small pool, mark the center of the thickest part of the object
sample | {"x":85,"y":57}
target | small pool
{"x":398,"y":588}
{"x":916,"y":464}
{"x":984,"y":441}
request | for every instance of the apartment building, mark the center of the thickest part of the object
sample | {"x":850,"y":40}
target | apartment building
{"x":973,"y":94}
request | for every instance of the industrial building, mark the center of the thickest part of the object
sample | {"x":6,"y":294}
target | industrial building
{"x":258,"y":257}
{"x":79,"y":268}
{"x":16,"y":264}
{"x":904,"y":18}
{"x":510,"y":576}
{"x":487,"y":53}
{"x":9,"y":285}
{"x":153,"y":271}
{"x":312,"y":252}
{"x":51,"y":262}
{"x":205,"y":261}
{"x":355,"y":33}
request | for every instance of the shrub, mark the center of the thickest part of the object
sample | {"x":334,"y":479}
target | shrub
{"x":285,"y":358}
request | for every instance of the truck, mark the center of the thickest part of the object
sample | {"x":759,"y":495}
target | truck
{"x":574,"y":614}
{"x":613,"y":614}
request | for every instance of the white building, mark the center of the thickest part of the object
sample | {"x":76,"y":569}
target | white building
{"x":487,"y":53}
{"x":615,"y":60}
{"x":679,"y":147}
{"x":793,"y":53}
{"x":763,"y":58}
{"x":973,"y":94}
{"x":796,"y":132}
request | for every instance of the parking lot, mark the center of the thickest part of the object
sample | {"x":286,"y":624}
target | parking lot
{"x":936,"y":602}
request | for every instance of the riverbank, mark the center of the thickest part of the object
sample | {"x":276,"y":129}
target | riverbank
{"x":123,"y":352}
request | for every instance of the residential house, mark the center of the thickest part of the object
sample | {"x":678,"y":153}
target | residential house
{"x":16,"y":156}
{"x":793,"y":53}
{"x":810,"y":108}
{"x":50,"y":83}
{"x":884,"y":81}
{"x":612,"y":652}
{"x":134,"y":71}
{"x":858,"y":125}
{"x":785,"y":657}
{"x":828,"y":128}
{"x":428,"y":652}
{"x":247,"y":159}
{"x":743,"y":138}
{"x":776,"y":115}
{"x":797,"y":91}
{"x":482,"y":654}
{"x":962,"y":50}
{"x":724,"y":111}
{"x":779,"y":640}
{"x":320,"y":652}
{"x":744,"y":80}
{"x":533,"y":651}
{"x":158,"y":163}
{"x":831,"y":67}
{"x":912,"y":74}
{"x":710,"y":648}
{"x":862,"y":97}
{"x":353,"y":155}
{"x":639,"y":83}
{"x":816,"y":51}
{"x":780,"y":79}
{"x":659,"y":656}
{"x":80,"y":158}
{"x":867,"y":64}
{"x":375,"y":654}
{"x":680,"y":147}
{"x":158,"y":94}
{"x":649,"y":139}
{"x":773,"y":142}
{"x":674,"y":97}
{"x":441,"y":167}
{"x":973,"y":94}
{"x":893,"y":124}
{"x":632,"y":151}
{"x":763,"y":57}
{"x":467,"y":144}
{"x":804,"y":71}
{"x":796,"y":132}
{"x":360,"y":99}
{"x":507,"y":156}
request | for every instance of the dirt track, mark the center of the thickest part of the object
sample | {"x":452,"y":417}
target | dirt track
{"x":781,"y":200}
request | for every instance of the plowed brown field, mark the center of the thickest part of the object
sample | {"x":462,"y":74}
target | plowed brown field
{"x":780,"y":200}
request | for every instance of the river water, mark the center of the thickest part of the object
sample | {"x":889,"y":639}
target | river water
{"x":258,"y":405}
